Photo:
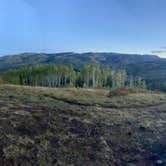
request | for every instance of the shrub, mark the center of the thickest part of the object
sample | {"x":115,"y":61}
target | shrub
{"x":125,"y":91}
{"x":1,"y":81}
{"x":118,"y":92}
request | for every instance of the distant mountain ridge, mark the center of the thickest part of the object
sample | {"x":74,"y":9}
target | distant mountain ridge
{"x":151,"y":67}
{"x":116,"y":60}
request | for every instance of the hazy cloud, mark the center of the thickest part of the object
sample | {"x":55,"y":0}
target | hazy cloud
{"x":162,"y":50}
{"x":158,"y":51}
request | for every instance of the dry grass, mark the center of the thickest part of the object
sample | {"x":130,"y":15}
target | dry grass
{"x":95,"y":97}
{"x":69,"y":126}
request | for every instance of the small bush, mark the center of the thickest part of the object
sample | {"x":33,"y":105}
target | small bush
{"x":125,"y":91}
{"x":2,"y":81}
{"x":118,"y":92}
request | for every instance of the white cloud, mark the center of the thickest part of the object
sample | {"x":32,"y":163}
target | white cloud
{"x":162,"y":54}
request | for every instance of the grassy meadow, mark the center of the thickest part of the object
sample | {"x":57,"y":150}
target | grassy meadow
{"x":76,"y":126}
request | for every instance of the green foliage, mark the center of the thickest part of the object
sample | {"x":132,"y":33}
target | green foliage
{"x":89,"y":76}
{"x":150,"y":68}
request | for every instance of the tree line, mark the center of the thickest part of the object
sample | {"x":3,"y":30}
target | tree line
{"x":89,"y":76}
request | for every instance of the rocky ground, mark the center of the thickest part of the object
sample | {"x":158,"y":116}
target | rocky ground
{"x":78,"y":127}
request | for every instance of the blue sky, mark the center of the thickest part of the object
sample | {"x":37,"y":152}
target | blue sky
{"x":128,"y":26}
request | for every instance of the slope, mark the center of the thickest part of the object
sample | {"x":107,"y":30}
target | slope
{"x":44,"y":126}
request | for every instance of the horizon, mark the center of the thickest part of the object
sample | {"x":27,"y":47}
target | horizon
{"x":108,"y":26}
{"x":73,"y":52}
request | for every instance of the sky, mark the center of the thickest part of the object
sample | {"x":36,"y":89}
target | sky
{"x":126,"y":26}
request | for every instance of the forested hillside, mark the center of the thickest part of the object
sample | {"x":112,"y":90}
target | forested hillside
{"x":115,"y":60}
{"x":153,"y":72}
{"x":150,"y":67}
{"x":90,"y":75}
